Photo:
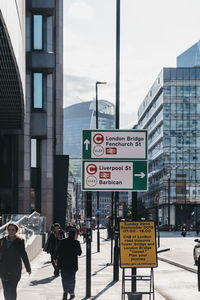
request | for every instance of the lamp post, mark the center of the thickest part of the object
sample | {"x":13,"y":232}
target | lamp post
{"x":117,"y":125}
{"x":97,"y":126}
{"x":169,"y":185}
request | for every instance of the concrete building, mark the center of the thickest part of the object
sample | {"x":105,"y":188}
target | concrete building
{"x":43,"y":127}
{"x":171,"y":114}
{"x":31,"y":105}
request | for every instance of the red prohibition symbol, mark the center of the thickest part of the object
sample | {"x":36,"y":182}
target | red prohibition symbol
{"x":98,"y":138}
{"x":91,"y":169}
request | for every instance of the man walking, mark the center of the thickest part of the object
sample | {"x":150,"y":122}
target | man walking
{"x":56,"y":235}
{"x":66,"y":258}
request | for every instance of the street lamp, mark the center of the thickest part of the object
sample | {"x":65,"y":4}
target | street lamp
{"x":97,"y":109}
{"x":169,"y":185}
{"x":97,"y":126}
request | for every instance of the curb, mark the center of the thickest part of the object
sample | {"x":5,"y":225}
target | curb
{"x":178,"y":265}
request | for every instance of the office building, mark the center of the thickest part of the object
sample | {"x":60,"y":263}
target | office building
{"x":76,"y":118}
{"x":171,"y":114}
{"x":190,"y":58}
{"x":43,"y":127}
{"x":83,"y":116}
{"x":12,"y":103}
{"x":31,"y":106}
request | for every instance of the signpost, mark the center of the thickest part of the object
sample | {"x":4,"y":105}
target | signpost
{"x":114,"y":144}
{"x":114,"y":160}
{"x":114,"y":175}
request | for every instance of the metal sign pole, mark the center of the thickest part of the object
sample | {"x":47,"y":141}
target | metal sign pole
{"x":116,"y":245}
{"x":134,"y":218}
{"x":88,"y":243}
{"x":116,"y":252}
{"x":112,"y":215}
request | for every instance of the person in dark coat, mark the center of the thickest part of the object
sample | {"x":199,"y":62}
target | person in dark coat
{"x":12,"y":252}
{"x":52,"y":243}
{"x":66,"y":258}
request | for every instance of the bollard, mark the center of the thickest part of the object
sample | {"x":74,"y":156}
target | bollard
{"x":134,"y":296}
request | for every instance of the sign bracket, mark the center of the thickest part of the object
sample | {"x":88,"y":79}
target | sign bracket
{"x":128,"y":277}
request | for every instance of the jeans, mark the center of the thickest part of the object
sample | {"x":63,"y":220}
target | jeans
{"x":68,"y":280}
{"x":10,"y":289}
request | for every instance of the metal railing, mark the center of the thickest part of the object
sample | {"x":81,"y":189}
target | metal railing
{"x":30,"y":225}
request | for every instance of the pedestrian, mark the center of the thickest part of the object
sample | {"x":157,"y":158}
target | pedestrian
{"x":77,"y":232}
{"x":69,"y":226}
{"x":83,"y":232}
{"x":12,"y":252}
{"x":52,"y":243}
{"x":66,"y":258}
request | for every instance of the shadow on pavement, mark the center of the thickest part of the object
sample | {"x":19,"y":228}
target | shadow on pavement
{"x":42,"y":281}
{"x":103,"y":291}
{"x":82,"y":256}
{"x":95,"y":273}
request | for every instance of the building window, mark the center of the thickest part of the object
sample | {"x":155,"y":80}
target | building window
{"x":37,"y":90}
{"x":37,"y":32}
{"x":35,"y":153}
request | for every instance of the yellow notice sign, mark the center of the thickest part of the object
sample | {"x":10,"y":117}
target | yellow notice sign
{"x":138,"y":245}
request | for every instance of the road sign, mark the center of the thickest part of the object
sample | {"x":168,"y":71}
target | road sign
{"x":114,"y":175}
{"x":114,"y":144}
{"x":138,"y":245}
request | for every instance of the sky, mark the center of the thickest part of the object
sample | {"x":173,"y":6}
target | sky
{"x":153,"y":34}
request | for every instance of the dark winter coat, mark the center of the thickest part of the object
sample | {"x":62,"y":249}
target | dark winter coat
{"x":11,"y":259}
{"x":67,"y":254}
{"x":53,"y":241}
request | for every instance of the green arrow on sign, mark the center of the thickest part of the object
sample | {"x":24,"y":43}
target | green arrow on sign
{"x":86,"y":144}
{"x":140,"y":175}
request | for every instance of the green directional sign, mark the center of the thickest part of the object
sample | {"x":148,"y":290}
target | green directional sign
{"x":114,"y":144}
{"x":114,"y":160}
{"x":115,"y":176}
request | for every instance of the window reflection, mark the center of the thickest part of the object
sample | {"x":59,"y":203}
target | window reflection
{"x":37,"y":32}
{"x":37,"y":90}
{"x":33,"y":153}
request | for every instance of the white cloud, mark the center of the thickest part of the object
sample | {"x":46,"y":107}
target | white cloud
{"x":151,"y":38}
{"x":80,"y":10}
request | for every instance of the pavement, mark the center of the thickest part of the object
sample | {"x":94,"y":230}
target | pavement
{"x":42,"y":285}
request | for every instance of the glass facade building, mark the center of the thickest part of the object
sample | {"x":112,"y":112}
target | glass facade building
{"x":76,"y":118}
{"x":171,"y":114}
{"x":83,"y":116}
{"x":190,"y":57}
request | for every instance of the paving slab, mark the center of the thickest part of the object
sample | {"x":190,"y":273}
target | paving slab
{"x":42,"y":285}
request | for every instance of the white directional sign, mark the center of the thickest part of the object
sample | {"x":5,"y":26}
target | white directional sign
{"x":115,"y":144}
{"x":114,"y":160}
{"x":112,"y":175}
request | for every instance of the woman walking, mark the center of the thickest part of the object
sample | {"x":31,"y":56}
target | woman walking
{"x":12,"y":252}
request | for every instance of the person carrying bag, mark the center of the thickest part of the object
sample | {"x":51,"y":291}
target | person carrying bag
{"x":12,"y":253}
